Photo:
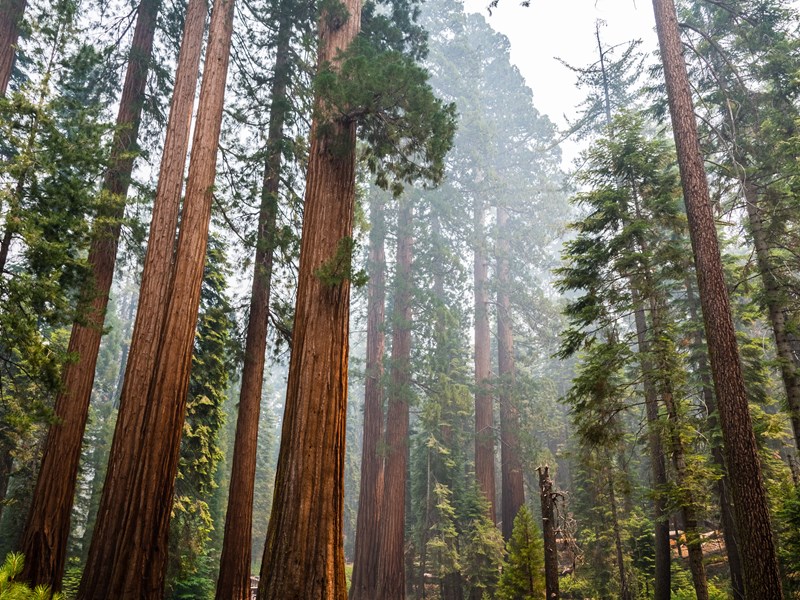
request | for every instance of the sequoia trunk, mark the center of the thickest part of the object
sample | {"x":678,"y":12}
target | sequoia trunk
{"x":44,"y":542}
{"x":484,"y":410}
{"x":303,"y":554}
{"x":365,"y":564}
{"x":513,"y":490}
{"x":129,"y":558}
{"x":11,"y":13}
{"x":391,"y":562}
{"x":548,"y":499}
{"x":234,"y":574}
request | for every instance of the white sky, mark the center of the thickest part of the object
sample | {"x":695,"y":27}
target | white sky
{"x":566,"y":29}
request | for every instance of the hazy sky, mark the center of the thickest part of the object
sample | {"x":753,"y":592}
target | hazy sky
{"x":566,"y":29}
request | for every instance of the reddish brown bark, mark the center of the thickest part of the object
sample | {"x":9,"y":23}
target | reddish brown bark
{"x":762,"y":579}
{"x":512,"y":485}
{"x":11,"y":13}
{"x":484,"y":409}
{"x":717,"y":454}
{"x":44,"y":542}
{"x":234,"y":574}
{"x":128,"y":553}
{"x":391,"y":563}
{"x":365,"y":563}
{"x":304,"y":554}
{"x":548,"y":499}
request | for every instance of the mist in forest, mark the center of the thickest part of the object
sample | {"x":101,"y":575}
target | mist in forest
{"x":395,"y":299}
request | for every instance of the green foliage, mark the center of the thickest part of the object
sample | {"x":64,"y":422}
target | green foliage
{"x":523,"y":568}
{"x":789,"y":537}
{"x":407,"y":129}
{"x":339,"y":267}
{"x":12,"y":590}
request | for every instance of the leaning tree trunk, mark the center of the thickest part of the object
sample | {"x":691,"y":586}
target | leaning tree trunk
{"x":44,"y":542}
{"x":391,"y":562}
{"x":625,"y":592}
{"x":513,"y":491}
{"x":548,"y":499}
{"x":303,"y":554}
{"x":128,"y":555}
{"x":234,"y":572}
{"x":484,"y":410}
{"x":762,"y":579}
{"x":11,"y":13}
{"x":723,"y":483}
{"x":365,"y":563}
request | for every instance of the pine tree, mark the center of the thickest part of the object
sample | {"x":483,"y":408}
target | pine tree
{"x":523,"y":569}
{"x":762,"y":579}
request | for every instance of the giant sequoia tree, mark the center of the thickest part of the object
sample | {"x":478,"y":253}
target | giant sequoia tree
{"x":128,"y":551}
{"x":45,"y":539}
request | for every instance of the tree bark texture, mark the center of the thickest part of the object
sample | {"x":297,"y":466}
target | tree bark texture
{"x":391,"y":562}
{"x":484,"y":409}
{"x":512,"y":485}
{"x":776,"y":307}
{"x":234,"y":575}
{"x":717,"y":454}
{"x":156,"y":275}
{"x":368,"y":526}
{"x":304,"y":554}
{"x":11,"y":13}
{"x":658,"y":467}
{"x":44,"y":542}
{"x":548,"y":500}
{"x":762,"y":579}
{"x":129,"y":560}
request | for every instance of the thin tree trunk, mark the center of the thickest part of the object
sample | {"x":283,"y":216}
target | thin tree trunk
{"x":365,"y":564}
{"x":6,"y":466}
{"x":44,"y":542}
{"x":776,"y":308}
{"x":391,"y":562}
{"x":625,"y":592}
{"x":234,"y":575}
{"x":723,"y":483}
{"x":513,"y":490}
{"x":662,"y":588}
{"x":11,"y":13}
{"x":549,"y":534}
{"x":129,"y":558}
{"x":484,"y":410}
{"x":303,"y":554}
{"x":762,"y":579}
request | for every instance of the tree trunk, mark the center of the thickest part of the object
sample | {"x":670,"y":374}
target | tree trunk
{"x":365,"y":564}
{"x":513,"y":490}
{"x":549,"y":534}
{"x":625,"y":592}
{"x":723,"y":483}
{"x":762,"y":579}
{"x":391,"y":563}
{"x":11,"y":13}
{"x":44,"y":542}
{"x":234,"y":575}
{"x":776,"y":308}
{"x":662,"y":587}
{"x":303,"y":554}
{"x":128,"y":554}
{"x":484,"y":410}
{"x":6,"y":466}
